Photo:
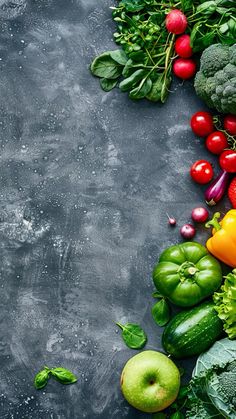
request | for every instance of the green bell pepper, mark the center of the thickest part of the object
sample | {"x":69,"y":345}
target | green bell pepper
{"x":186,"y":274}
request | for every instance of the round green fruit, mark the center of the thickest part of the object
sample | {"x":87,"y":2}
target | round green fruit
{"x":150,"y":381}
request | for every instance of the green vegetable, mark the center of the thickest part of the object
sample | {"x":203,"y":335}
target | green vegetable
{"x":133,"y":335}
{"x":108,"y":84}
{"x":192,"y":332}
{"x":212,"y":390}
{"x":225,"y":304}
{"x":130,"y":81}
{"x":215,"y":82}
{"x":161,"y":312}
{"x":106,"y":67}
{"x":186,"y":274}
{"x":62,"y":375}
{"x":41,"y":379}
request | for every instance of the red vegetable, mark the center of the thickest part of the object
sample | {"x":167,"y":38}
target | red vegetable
{"x":230,"y":124}
{"x":217,"y":189}
{"x":201,"y":171}
{"x":187,"y":231}
{"x":202,"y":123}
{"x":183,"y":47}
{"x":228,"y":161}
{"x":171,"y":220}
{"x":184,"y":68}
{"x":232,"y":192}
{"x":200,"y":214}
{"x":216,"y":142}
{"x":176,"y":22}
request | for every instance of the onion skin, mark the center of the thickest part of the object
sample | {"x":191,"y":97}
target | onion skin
{"x":217,"y":189}
{"x":188,"y":231}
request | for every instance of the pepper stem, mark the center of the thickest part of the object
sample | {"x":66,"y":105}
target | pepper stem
{"x":214,"y":222}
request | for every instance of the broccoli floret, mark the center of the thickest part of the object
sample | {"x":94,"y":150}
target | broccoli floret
{"x":215,"y":82}
{"x":227,"y":384}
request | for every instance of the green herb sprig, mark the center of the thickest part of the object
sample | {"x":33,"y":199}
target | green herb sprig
{"x":61,"y":374}
{"x":133,"y":335}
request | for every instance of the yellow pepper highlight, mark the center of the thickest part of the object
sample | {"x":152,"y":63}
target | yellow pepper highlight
{"x":222,"y":244}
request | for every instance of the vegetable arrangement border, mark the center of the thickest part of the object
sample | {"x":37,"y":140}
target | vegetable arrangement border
{"x":160,"y":38}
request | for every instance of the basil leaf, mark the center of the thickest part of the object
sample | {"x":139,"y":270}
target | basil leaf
{"x":119,"y":56}
{"x":133,"y":335}
{"x":161,"y":312}
{"x":63,"y":375}
{"x":142,"y":90}
{"x":105,"y":66}
{"x":41,"y":379}
{"x":108,"y":84}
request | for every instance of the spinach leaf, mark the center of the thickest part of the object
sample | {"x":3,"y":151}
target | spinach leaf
{"x":161,"y":312}
{"x":105,"y":66}
{"x":119,"y":56}
{"x":142,"y":90}
{"x":133,"y":335}
{"x":108,"y":84}
{"x":41,"y":378}
{"x":155,"y":93}
{"x":63,"y":375}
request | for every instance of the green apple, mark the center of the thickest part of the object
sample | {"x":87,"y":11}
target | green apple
{"x":150,"y":381}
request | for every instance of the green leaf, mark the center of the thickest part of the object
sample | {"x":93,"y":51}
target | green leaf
{"x":104,"y":66}
{"x":138,"y":56}
{"x":177,"y":415}
{"x":165,"y":89}
{"x":155,"y":93}
{"x":108,"y":84}
{"x":133,"y":5}
{"x":161,"y":312}
{"x":63,"y":375}
{"x":186,"y":5}
{"x":133,"y":335}
{"x":119,"y":56}
{"x":41,"y":379}
{"x":142,"y":90}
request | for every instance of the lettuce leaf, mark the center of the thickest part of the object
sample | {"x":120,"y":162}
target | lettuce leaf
{"x":225,"y":304}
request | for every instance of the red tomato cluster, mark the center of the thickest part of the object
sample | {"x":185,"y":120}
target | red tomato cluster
{"x":202,"y":124}
{"x":184,"y":66}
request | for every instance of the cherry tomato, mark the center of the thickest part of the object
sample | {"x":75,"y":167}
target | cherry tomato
{"x":184,"y":68}
{"x":216,"y":142}
{"x":183,"y":47}
{"x":202,"y":123}
{"x":201,"y":171}
{"x":230,"y":124}
{"x":228,"y":161}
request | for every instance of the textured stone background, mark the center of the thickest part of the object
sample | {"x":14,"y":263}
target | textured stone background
{"x":86,"y":180}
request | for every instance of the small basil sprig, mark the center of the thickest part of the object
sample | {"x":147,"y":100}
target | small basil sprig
{"x":161,"y":312}
{"x":133,"y":335}
{"x":61,"y":374}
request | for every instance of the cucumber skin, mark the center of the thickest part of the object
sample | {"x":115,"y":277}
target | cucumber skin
{"x":192,"y":332}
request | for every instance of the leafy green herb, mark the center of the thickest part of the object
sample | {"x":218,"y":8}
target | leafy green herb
{"x":133,"y":335}
{"x":62,"y":375}
{"x":41,"y":379}
{"x":161,"y":312}
{"x":105,"y":66}
{"x":108,"y":84}
{"x":225,"y":304}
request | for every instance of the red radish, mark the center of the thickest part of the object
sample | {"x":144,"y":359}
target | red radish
{"x":183,"y":47}
{"x":216,"y":142}
{"x":202,"y":123}
{"x":184,"y":68}
{"x":176,"y":22}
{"x":230,"y":124}
{"x":188,"y":231}
{"x":200,"y":214}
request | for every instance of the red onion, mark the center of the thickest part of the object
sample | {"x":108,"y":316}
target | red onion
{"x":200,"y":214}
{"x":217,"y":188}
{"x":188,"y":231}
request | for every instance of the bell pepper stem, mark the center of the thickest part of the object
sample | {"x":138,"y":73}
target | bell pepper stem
{"x":214,"y":222}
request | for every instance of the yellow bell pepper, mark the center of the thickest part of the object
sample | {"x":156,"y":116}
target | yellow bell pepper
{"x":223,"y":242}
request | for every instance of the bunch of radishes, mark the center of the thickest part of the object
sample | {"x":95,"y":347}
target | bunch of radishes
{"x":184,"y":67}
{"x":221,"y":142}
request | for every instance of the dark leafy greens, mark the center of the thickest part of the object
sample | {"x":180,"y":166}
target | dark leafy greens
{"x":61,"y":374}
{"x":147,"y":46}
{"x":133,"y":335}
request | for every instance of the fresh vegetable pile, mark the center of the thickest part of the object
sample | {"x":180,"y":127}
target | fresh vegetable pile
{"x":151,"y":52}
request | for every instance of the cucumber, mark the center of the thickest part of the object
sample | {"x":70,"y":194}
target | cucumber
{"x":192,"y":332}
